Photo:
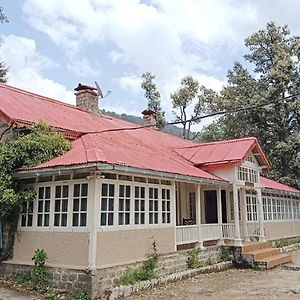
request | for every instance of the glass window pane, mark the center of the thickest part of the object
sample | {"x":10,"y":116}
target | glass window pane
{"x":65,"y":191}
{"x":136,"y":192}
{"x":142,"y":205}
{"x":136,"y":205}
{"x":83,"y":219}
{"x":46,"y":220}
{"x":56,"y":219}
{"x":127,"y":218}
{"x":121,"y":204}
{"x":41,"y":193}
{"x":142,"y":218}
{"x":29,"y":221}
{"x":64,"y":205}
{"x":40,"y":220}
{"x":103,"y":219}
{"x":57,"y":206}
{"x":127,"y":191}
{"x":76,"y":205}
{"x":84,"y":204}
{"x":111,"y":190}
{"x":64,"y":219}
{"x":76,"y":190}
{"x":47,"y":206}
{"x":104,"y":204}
{"x":104,"y":189}
{"x":121,"y":191}
{"x":47,"y":192}
{"x":58,"y":191}
{"x":40,"y":206}
{"x":142,"y":192}
{"x":111,"y":204}
{"x":75,"y":219}
{"x":127,"y":204}
{"x":110,"y":219}
{"x":136,"y":218}
{"x":84,"y":189}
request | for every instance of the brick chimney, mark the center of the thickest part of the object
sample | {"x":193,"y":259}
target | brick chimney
{"x":87,"y":98}
{"x":149,"y":118}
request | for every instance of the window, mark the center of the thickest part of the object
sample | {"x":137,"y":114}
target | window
{"x":27,"y":214}
{"x":265,"y":209}
{"x":80,"y":204}
{"x":153,"y":205}
{"x":251,"y":206}
{"x":166,"y":206}
{"x":43,"y":203}
{"x":61,"y":205}
{"x":251,"y":159}
{"x":275,"y":214}
{"x":124,"y":204}
{"x":107,"y":204}
{"x":246,"y":174}
{"x":192,"y":204}
{"x":269,"y":203}
{"x":139,"y":205}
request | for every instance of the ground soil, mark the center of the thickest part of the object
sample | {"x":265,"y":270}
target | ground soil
{"x":232,"y":284}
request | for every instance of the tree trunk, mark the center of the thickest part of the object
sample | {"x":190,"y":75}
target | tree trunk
{"x":9,"y":229}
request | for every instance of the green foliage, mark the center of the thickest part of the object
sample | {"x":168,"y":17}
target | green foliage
{"x":224,"y":254}
{"x":79,"y":295}
{"x":153,"y":97}
{"x":145,"y":272}
{"x":41,"y":145}
{"x":3,"y":68}
{"x":193,"y":260}
{"x":275,"y":56}
{"x":286,"y":242}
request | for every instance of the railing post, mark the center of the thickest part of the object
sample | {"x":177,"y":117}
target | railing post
{"x":198,"y":217}
{"x":244,"y":210}
{"x":260,"y":216}
{"x":219,"y":206}
{"x":237,"y":240}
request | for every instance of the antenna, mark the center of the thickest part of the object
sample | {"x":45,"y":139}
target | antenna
{"x":100,"y":91}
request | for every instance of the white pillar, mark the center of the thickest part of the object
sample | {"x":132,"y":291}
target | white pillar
{"x":219,"y":208}
{"x":93,"y":218}
{"x":198,"y":216}
{"x":173,"y":215}
{"x":237,"y":240}
{"x":244,"y":210}
{"x":260,"y":216}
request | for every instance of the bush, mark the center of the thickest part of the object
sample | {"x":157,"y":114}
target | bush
{"x":145,"y":272}
{"x":79,"y":295}
{"x":286,"y":242}
{"x":193,"y":260}
{"x":224,"y":253}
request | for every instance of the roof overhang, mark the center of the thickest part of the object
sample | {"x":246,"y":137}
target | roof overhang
{"x":29,"y":173}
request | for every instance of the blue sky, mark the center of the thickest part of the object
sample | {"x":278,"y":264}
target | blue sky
{"x":52,"y":45}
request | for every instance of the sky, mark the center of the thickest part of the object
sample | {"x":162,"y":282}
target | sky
{"x":52,"y":45}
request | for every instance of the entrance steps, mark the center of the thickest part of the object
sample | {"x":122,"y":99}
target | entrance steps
{"x":261,"y":255}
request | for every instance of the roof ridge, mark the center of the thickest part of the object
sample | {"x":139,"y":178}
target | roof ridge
{"x":41,"y":97}
{"x":219,"y":142}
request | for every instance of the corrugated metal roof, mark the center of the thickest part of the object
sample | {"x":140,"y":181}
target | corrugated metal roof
{"x":148,"y":152}
{"x":274,"y":185}
{"x":216,"y":154}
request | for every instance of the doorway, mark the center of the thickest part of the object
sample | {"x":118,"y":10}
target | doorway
{"x":210,"y":202}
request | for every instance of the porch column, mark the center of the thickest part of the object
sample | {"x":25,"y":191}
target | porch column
{"x":237,"y":240}
{"x":174,"y":204}
{"x":260,"y":216}
{"x":244,"y":210}
{"x":198,"y":216}
{"x":219,"y":206}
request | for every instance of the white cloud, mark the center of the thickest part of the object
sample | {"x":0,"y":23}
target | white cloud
{"x":26,"y":66}
{"x":130,"y":83}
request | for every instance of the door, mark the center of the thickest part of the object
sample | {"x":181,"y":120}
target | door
{"x":210,"y":200}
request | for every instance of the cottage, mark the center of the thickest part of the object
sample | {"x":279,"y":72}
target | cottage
{"x":100,"y":205}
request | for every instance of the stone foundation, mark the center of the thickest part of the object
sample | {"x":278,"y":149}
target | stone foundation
{"x":97,"y":282}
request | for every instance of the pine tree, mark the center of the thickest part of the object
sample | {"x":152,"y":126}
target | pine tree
{"x":153,"y":97}
{"x":3,"y":69}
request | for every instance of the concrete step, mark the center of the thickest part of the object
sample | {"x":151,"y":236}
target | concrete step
{"x":274,"y":261}
{"x":262,"y":253}
{"x":255,"y":246}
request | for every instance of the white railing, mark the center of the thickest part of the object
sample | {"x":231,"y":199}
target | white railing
{"x":204,"y":232}
{"x":253,"y":228}
{"x":210,"y":232}
{"x":187,"y":234}
{"x":228,"y":230}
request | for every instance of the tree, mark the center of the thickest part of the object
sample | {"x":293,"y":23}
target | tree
{"x":275,"y":55}
{"x":3,"y":68}
{"x":153,"y":97}
{"x":39,"y":146}
{"x":182,"y":100}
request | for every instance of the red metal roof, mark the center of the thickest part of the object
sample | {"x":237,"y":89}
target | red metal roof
{"x":274,"y":185}
{"x":218,"y":154}
{"x":144,"y":150}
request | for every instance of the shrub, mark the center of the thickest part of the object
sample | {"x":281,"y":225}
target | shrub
{"x":224,"y":253}
{"x":193,"y":260}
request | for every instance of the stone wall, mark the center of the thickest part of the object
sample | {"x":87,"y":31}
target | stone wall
{"x":98,"y":282}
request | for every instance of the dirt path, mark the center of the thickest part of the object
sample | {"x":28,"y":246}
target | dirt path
{"x":233,"y":284}
{"x":7,"y":293}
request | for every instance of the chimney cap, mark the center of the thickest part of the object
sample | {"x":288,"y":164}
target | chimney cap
{"x":148,"y":112}
{"x":81,"y":87}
